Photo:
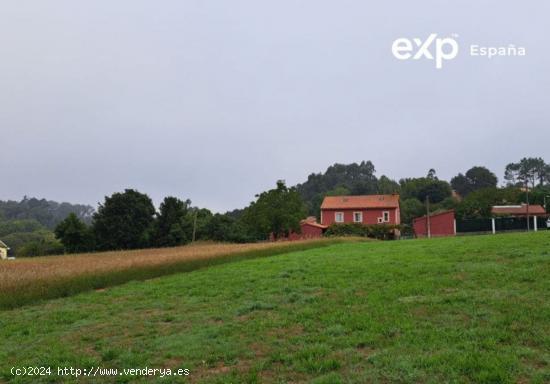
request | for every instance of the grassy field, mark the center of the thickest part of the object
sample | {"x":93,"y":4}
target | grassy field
{"x":29,"y":280}
{"x":457,"y":310}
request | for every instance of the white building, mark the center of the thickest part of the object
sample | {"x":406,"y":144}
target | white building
{"x":3,"y":250}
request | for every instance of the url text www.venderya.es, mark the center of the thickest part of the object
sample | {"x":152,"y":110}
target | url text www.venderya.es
{"x":98,"y":371}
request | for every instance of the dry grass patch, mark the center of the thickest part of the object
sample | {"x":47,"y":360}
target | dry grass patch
{"x":27,"y":280}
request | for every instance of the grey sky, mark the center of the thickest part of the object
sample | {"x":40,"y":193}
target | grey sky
{"x":214,"y":101}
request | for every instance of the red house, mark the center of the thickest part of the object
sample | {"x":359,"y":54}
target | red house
{"x":367,"y":209}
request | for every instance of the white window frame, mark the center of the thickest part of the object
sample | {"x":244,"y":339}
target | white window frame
{"x":384,"y":216}
{"x":336,"y":215}
{"x":360,"y":217}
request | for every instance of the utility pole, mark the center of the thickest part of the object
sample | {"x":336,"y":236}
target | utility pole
{"x":428,"y":222}
{"x":195,"y":224}
{"x":527,"y":194}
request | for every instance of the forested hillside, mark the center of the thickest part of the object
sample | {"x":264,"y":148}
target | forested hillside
{"x":27,"y":225}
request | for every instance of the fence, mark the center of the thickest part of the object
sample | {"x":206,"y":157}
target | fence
{"x":500,"y":224}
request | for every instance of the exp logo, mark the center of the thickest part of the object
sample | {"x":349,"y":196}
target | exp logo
{"x":433,"y":48}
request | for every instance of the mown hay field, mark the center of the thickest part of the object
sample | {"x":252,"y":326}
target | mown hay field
{"x":27,"y":280}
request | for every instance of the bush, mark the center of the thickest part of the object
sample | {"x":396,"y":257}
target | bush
{"x":41,"y":248}
{"x":376,"y":231}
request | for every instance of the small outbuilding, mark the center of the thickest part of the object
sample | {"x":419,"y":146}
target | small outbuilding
{"x":309,"y":229}
{"x":3,"y":251}
{"x":438,"y":224}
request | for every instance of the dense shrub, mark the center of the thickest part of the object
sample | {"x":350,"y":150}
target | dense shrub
{"x":42,"y":247}
{"x":376,"y":231}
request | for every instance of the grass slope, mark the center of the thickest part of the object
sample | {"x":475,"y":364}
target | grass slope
{"x":466,"y":309}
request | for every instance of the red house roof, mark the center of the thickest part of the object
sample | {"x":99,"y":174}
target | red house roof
{"x":312,"y":220}
{"x":518,"y":210}
{"x":361,"y":202}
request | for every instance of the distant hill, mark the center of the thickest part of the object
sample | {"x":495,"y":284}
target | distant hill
{"x":27,"y":225}
{"x":46,"y":212}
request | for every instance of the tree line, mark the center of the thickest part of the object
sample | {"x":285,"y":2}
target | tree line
{"x":129,"y":220}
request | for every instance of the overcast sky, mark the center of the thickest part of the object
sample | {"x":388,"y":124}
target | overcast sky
{"x":216,"y":100}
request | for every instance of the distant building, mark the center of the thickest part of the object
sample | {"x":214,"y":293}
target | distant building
{"x":310,"y":229}
{"x":518,"y":210}
{"x":440,"y":224}
{"x":366,"y":209}
{"x":3,"y":250}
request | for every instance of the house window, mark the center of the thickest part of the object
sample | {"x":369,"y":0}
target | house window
{"x":357,"y":217}
{"x":339,"y":217}
{"x":386,"y":218}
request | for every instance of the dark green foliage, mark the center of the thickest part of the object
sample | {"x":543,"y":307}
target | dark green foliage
{"x":42,"y":247}
{"x":376,"y":231}
{"x":18,"y":240}
{"x":475,"y":178}
{"x":537,"y":194}
{"x":14,"y":226}
{"x":410,"y":209}
{"x":26,"y":225}
{"x":423,"y":187}
{"x":529,"y":171}
{"x":203,"y":217}
{"x":47,"y":213}
{"x":387,"y":186}
{"x":124,"y":221}
{"x":356,"y":179}
{"x":277,"y":211}
{"x":172,"y":225}
{"x":226,"y":229}
{"x":348,"y":229}
{"x":478,"y":204}
{"x":75,"y":235}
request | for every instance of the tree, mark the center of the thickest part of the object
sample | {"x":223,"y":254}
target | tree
{"x":74,"y":235}
{"x":356,"y":179}
{"x":199,"y":219}
{"x":172,"y":225}
{"x":530,"y":171}
{"x":277,"y":211}
{"x":387,"y":185}
{"x":226,"y":228}
{"x":476,"y":178}
{"x":420,"y":188}
{"x":124,"y":221}
{"x":410,"y":209}
{"x":461,"y":185}
{"x":478,"y":204}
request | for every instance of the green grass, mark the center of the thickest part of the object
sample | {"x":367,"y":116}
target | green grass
{"x":456,"y":310}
